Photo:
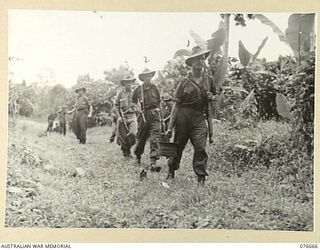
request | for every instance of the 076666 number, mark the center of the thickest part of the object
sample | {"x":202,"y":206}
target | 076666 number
{"x":313,"y":246}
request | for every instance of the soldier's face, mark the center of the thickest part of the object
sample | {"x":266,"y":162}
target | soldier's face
{"x":127,"y":86}
{"x":198,"y":63}
{"x":147,"y":78}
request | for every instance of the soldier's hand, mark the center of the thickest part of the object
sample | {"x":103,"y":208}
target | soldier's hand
{"x":169,"y":133}
{"x":210,"y":139}
{"x":209,"y":95}
{"x":130,"y":133}
{"x":90,"y":115}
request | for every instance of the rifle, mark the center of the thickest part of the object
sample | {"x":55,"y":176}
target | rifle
{"x":123,"y":120}
{"x":141,"y":103}
{"x":209,"y":106}
{"x":167,"y":118}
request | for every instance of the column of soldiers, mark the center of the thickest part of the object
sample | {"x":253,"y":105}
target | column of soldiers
{"x":139,"y":117}
{"x":187,"y":118}
{"x":59,"y":117}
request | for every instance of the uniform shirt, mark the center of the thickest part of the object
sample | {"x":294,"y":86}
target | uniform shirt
{"x":51,"y":117}
{"x":151,"y":96}
{"x":188,"y":95}
{"x":124,"y":100}
{"x":62,"y":116}
{"x":82,"y":103}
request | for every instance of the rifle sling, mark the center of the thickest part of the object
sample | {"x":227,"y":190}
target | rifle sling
{"x":196,"y":85}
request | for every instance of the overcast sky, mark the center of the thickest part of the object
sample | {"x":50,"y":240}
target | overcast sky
{"x":78,"y":42}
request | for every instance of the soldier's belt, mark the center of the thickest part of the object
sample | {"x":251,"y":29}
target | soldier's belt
{"x":192,"y":106}
{"x":130,"y":111}
{"x":151,"y":108}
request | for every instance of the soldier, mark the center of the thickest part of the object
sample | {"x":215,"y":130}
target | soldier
{"x":147,"y":100}
{"x":62,"y":120}
{"x":50,"y":121}
{"x":127,"y":121}
{"x":187,"y":115}
{"x":82,"y":109}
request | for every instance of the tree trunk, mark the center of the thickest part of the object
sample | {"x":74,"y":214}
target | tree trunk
{"x":220,"y":75}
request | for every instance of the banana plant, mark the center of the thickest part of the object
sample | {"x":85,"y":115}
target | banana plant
{"x":246,"y":57}
{"x":263,"y":19}
{"x":198,"y":40}
{"x":221,"y":70}
{"x":299,"y":35}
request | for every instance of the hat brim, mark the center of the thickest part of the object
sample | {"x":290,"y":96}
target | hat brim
{"x":131,"y":80}
{"x":142,"y":75}
{"x":191,"y":58}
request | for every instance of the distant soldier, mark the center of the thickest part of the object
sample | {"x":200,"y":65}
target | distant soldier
{"x":50,"y":121}
{"x":127,"y":121}
{"x":62,"y":120}
{"x":83,"y":110}
{"x":147,"y":100}
{"x":13,"y":108}
{"x":187,"y":115}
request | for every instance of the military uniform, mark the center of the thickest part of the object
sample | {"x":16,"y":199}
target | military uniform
{"x":151,"y":127}
{"x":124,"y":104}
{"x":62,"y":122}
{"x":82,"y":107}
{"x":191,"y":122}
{"x":50,"y":122}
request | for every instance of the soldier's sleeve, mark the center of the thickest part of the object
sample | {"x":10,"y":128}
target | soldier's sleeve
{"x":87,"y":101}
{"x":158,"y":93}
{"x":212,"y":86}
{"x":117,"y":99}
{"x":178,"y":96}
{"x":134,"y":98}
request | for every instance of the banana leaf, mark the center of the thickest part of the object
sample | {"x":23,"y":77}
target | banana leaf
{"x":198,"y":40}
{"x":302,"y":24}
{"x":246,"y":102}
{"x":216,"y":41}
{"x":263,"y":43}
{"x":263,"y":19}
{"x":244,"y":55}
{"x":283,"y":106}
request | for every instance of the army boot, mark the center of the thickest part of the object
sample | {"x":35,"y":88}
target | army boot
{"x":170,"y":174}
{"x":143,"y":175}
{"x":138,"y":160}
{"x":201,"y":180}
{"x":154,"y":167}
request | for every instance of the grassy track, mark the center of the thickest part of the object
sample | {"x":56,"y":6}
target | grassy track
{"x":55,"y":182}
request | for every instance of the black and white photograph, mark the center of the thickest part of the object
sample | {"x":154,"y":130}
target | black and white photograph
{"x":160,"y":120}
